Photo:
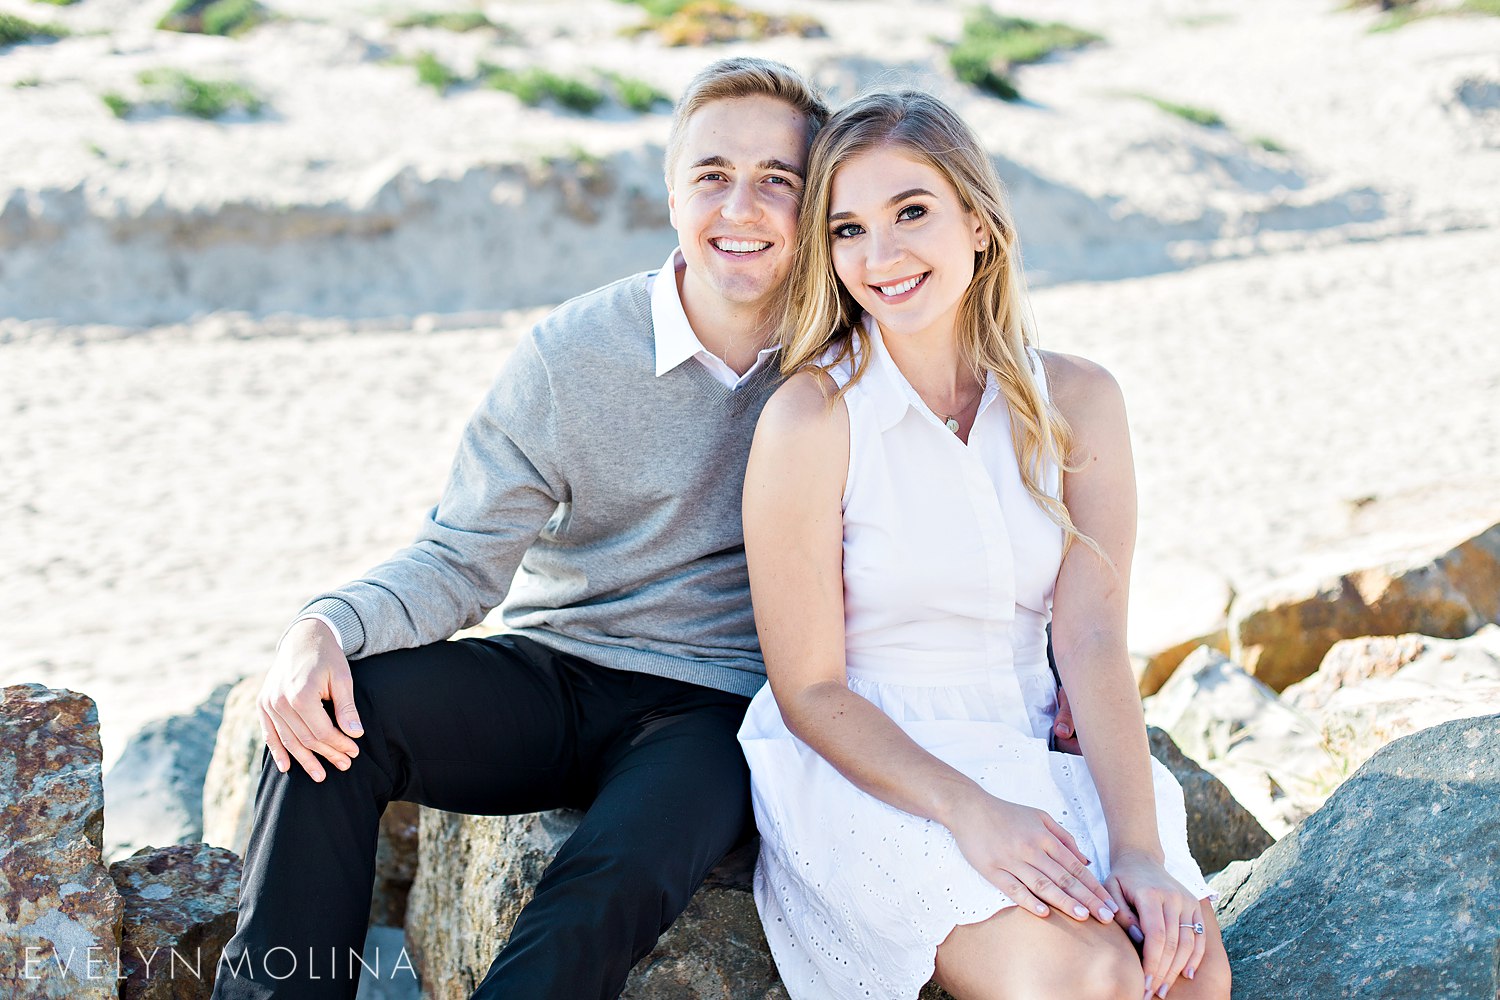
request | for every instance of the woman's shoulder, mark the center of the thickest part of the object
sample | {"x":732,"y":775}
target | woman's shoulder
{"x":804,"y":406}
{"x":1082,"y":390}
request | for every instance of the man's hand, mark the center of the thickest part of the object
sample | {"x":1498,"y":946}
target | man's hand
{"x":310,"y":669}
{"x":1064,"y":736}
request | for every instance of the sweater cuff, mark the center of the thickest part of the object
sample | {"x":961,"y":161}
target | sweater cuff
{"x":340,"y":617}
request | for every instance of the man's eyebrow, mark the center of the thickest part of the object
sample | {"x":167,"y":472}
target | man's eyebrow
{"x":771,"y":164}
{"x":894,"y":200}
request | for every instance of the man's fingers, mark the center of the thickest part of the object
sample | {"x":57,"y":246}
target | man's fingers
{"x":309,"y":723}
{"x":279,"y":756}
{"x":295,"y":747}
{"x":344,"y":711}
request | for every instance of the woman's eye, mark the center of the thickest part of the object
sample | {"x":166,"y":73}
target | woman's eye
{"x":911,"y":212}
{"x":845,"y":231}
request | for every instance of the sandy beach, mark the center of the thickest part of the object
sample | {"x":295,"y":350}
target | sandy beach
{"x":1306,"y":339}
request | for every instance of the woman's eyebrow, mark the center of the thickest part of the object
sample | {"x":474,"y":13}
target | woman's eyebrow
{"x":895,"y":199}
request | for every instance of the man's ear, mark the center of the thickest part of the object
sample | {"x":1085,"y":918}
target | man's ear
{"x":671,"y":206}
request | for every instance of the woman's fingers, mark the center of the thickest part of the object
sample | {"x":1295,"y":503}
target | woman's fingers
{"x":1087,"y":897}
{"x":1187,"y":936}
{"x":1013,"y":887}
{"x":1200,"y":945}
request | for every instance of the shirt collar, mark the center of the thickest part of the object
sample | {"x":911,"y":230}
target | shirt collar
{"x":675,"y":340}
{"x":892,"y":394}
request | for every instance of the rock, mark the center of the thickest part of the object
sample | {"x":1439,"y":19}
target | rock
{"x":1175,"y":607}
{"x":1388,"y":890}
{"x":1351,"y":661}
{"x":1450,"y":679}
{"x":234,"y":770}
{"x":1155,"y":669}
{"x":1281,"y":634}
{"x":180,"y":907}
{"x":1269,"y":755}
{"x":154,"y":792}
{"x":229,"y":805}
{"x":1220,"y":830}
{"x":60,"y":915}
{"x":476,"y":872}
{"x":395,"y":863}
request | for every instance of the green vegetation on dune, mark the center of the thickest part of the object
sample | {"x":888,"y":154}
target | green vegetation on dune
{"x":17,"y":29}
{"x":535,"y":85}
{"x":710,"y":22}
{"x":636,"y":95}
{"x":434,"y":73}
{"x":992,"y":45}
{"x":194,"y":96}
{"x":457,"y":21}
{"x":59,"y":3}
{"x":1400,"y":13}
{"x":117,"y":104}
{"x":213,"y":17}
{"x":1187,"y":112}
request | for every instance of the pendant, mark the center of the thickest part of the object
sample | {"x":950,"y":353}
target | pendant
{"x":952,"y":425}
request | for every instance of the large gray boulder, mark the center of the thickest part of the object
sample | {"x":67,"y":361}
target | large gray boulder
{"x":1387,"y":891}
{"x":1220,"y":830}
{"x":60,"y":915}
{"x":154,"y":791}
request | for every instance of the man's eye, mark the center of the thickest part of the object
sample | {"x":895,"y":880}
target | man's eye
{"x":847,"y":230}
{"x":911,"y":212}
{"x":714,"y":176}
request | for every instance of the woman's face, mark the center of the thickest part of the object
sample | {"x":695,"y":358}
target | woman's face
{"x":902,"y":242}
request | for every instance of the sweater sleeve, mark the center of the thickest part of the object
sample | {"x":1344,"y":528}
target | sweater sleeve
{"x":504,"y":485}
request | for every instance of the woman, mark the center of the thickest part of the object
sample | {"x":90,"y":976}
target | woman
{"x":924,"y":494}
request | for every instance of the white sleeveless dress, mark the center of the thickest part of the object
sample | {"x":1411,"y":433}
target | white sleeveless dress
{"x":949,"y":566}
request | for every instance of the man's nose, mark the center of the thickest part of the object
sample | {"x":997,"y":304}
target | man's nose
{"x":741,"y":204}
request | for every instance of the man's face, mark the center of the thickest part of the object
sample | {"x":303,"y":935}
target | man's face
{"x":735,"y":188}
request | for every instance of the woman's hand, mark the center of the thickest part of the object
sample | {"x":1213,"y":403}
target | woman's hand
{"x":1168,"y":915}
{"x":1029,"y":857}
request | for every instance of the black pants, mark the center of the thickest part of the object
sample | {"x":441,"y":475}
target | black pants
{"x":495,"y":727}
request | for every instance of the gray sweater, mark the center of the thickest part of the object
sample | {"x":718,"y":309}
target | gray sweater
{"x":616,"y":491}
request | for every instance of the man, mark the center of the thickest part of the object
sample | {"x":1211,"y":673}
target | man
{"x":606,"y":461}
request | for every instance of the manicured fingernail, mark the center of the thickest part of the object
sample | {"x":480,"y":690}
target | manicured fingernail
{"x":354,"y":729}
{"x":1163,"y":991}
{"x":1148,"y":984}
{"x":1188,"y":973}
{"x":1105,"y":915}
{"x":1040,"y":909}
{"x":1113,"y":906}
{"x":1081,"y":912}
{"x":317,"y":775}
{"x":1135,"y":934}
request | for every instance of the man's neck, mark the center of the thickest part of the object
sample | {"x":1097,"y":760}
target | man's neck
{"x":736,"y":333}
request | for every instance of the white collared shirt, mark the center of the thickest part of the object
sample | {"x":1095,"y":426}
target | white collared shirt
{"x":675,"y":340}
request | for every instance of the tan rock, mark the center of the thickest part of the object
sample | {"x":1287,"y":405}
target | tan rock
{"x":229,"y":805}
{"x":1281,"y":633}
{"x":60,"y":914}
{"x":1155,"y":669}
{"x":1351,"y":661}
{"x":180,"y":908}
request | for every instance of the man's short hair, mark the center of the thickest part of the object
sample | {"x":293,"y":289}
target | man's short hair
{"x":743,"y":76}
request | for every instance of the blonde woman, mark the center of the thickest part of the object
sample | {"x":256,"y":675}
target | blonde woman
{"x":925,"y":493}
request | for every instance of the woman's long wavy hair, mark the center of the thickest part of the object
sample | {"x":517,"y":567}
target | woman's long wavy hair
{"x":994,"y":328}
